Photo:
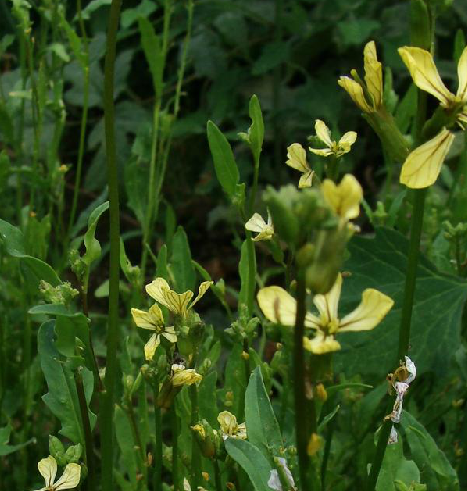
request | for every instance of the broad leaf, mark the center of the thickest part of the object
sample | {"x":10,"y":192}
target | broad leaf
{"x":253,"y":462}
{"x":93,"y":247}
{"x":261,"y":423}
{"x":381,"y":262}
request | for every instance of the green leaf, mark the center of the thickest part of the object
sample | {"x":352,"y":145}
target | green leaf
{"x":93,"y":6}
{"x":5,"y":447}
{"x":354,"y":32}
{"x":256,"y":130}
{"x":435,"y":468}
{"x":38,"y":270}
{"x":131,"y":15}
{"x":273,"y":54}
{"x":207,"y":400}
{"x":93,"y":247}
{"x":224,"y":161}
{"x":181,"y":265}
{"x":253,"y":462}
{"x":126,"y":443}
{"x":262,"y":427}
{"x":381,"y":262}
{"x":62,"y":398}
{"x":247,"y":270}
{"x":154,"y":54}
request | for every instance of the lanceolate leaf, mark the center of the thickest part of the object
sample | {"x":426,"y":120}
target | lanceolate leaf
{"x":153,"y":52}
{"x":381,"y":262}
{"x":261,"y":423}
{"x":182,"y":267}
{"x":254,"y":463}
{"x":93,"y":247}
{"x":247,"y":270}
{"x":256,"y":131}
{"x":224,"y":162}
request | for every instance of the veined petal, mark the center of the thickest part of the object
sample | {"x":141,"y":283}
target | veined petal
{"x":344,"y":198}
{"x":169,"y":334}
{"x":462,"y":74}
{"x":355,"y":91}
{"x":322,"y":152}
{"x":425,"y":74}
{"x":306,"y":179}
{"x":160,"y":291}
{"x":70,"y":478}
{"x":256,"y":223}
{"x":48,"y":470}
{"x":152,"y":320}
{"x":203,"y":288}
{"x":279,"y":306}
{"x":296,"y":157}
{"x":323,"y":132}
{"x":328,"y":304}
{"x":151,"y":346}
{"x":321,"y":344}
{"x":373,"y":73}
{"x":423,"y":165}
{"x":371,"y":311}
{"x":346,"y":142}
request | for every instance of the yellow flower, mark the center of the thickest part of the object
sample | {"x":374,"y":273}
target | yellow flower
{"x":230,"y":427}
{"x":178,"y":303}
{"x":425,"y":75}
{"x":153,"y":321}
{"x":343,"y":198}
{"x":296,"y":158}
{"x":48,"y":470}
{"x":257,"y":224}
{"x":423,"y":165}
{"x":279,"y":306}
{"x":370,"y":99}
{"x":337,"y":149}
{"x":184,"y":376}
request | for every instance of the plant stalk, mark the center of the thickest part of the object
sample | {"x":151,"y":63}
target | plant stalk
{"x":195,"y":453}
{"x":107,"y":411}
{"x":157,"y":479}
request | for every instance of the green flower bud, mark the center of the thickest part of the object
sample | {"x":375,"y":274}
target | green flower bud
{"x":73,"y":453}
{"x":57,"y":450}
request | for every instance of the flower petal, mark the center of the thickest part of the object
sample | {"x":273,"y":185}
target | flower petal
{"x":322,"y":152}
{"x":151,"y":346}
{"x":279,"y":306}
{"x":355,"y":91}
{"x":321,"y":344}
{"x":462,"y":74}
{"x":48,"y":470}
{"x":70,"y":478}
{"x":169,"y":334}
{"x":373,"y":73}
{"x":328,"y":304}
{"x":256,"y":223}
{"x":346,"y":142}
{"x":371,"y":311}
{"x":296,"y":157}
{"x":323,"y":132}
{"x":152,"y":320}
{"x":425,"y":74}
{"x":306,"y":180}
{"x":423,"y":165}
{"x":344,"y":198}
{"x":160,"y":291}
{"x":203,"y":288}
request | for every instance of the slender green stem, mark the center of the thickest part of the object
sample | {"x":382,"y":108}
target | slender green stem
{"x":88,"y":440}
{"x":107,"y":407}
{"x":195,"y":453}
{"x":299,"y":381}
{"x":217,"y":475}
{"x":84,"y":118}
{"x":175,"y":446}
{"x":254,"y":188}
{"x":327,"y":450}
{"x":157,"y":480}
{"x":137,"y":437}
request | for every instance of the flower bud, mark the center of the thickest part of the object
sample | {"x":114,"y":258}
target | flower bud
{"x":57,"y":450}
{"x":73,"y":453}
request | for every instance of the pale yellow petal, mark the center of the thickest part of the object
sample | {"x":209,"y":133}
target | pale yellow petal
{"x":152,"y":320}
{"x":48,"y":470}
{"x":346,"y":142}
{"x":256,"y":223}
{"x":169,"y":334}
{"x":423,"y":165}
{"x":355,"y":91}
{"x":227,"y":422}
{"x":328,"y":304}
{"x":322,"y":152}
{"x":344,"y":198}
{"x":151,"y":346}
{"x":296,"y":157}
{"x":371,"y":311}
{"x":323,"y":132}
{"x":373,"y":73}
{"x":70,"y":478}
{"x":306,"y":180}
{"x":425,"y":74}
{"x":321,"y":344}
{"x":203,"y":288}
{"x":462,"y":74}
{"x":160,"y":291}
{"x":186,"y":377}
{"x":265,"y":234}
{"x":279,"y":306}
